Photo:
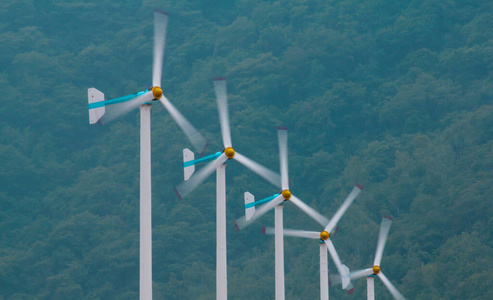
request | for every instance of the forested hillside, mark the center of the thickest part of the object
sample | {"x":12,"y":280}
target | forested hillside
{"x":395,"y":95}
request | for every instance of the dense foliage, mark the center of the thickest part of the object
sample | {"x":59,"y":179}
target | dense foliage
{"x":395,"y":95}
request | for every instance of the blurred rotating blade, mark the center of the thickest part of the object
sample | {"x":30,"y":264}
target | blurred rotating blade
{"x":337,"y":262}
{"x":184,"y":188}
{"x":392,"y":289}
{"x":192,"y":134}
{"x":160,"y":26}
{"x":242,"y":222}
{"x":361,"y":273}
{"x":260,"y":170}
{"x":344,"y":206}
{"x":120,"y":109}
{"x":382,"y":239}
{"x":282,"y":135}
{"x":309,"y":211}
{"x":222,"y":106}
{"x":301,"y":233}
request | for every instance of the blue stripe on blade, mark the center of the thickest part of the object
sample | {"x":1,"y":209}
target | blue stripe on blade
{"x":261,"y":201}
{"x":116,"y":100}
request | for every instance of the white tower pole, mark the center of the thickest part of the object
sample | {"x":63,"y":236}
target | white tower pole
{"x":145,"y":204}
{"x":221,"y":260}
{"x":324,"y":273}
{"x":370,"y":287}
{"x":279,"y":252}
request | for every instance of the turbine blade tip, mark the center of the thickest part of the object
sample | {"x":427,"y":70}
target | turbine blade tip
{"x":237,"y":227}
{"x":282,"y":128}
{"x":160,"y":11}
{"x":350,"y":291}
{"x":177,"y":193}
{"x":359,"y":186}
{"x":205,"y":149}
{"x":263,"y":229}
{"x":219,"y":79}
{"x":388,"y":217}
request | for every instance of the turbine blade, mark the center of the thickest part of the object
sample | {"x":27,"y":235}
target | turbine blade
{"x":337,"y":262}
{"x":361,"y":273}
{"x":160,"y":26}
{"x":344,"y":206}
{"x":296,"y":233}
{"x":242,"y":222}
{"x":222,"y":106}
{"x":309,"y":211}
{"x":120,"y":109}
{"x":382,"y":239}
{"x":392,"y":289}
{"x":260,"y":170}
{"x":192,"y":134}
{"x":184,"y":188}
{"x":282,"y":135}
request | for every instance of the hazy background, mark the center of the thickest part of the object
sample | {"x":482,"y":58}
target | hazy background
{"x":395,"y":95}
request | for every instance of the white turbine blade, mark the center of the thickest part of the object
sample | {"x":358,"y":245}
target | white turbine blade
{"x":382,"y":239}
{"x":282,"y":136}
{"x":120,"y":109}
{"x":392,"y":289}
{"x":222,"y":106}
{"x":361,"y":273}
{"x":296,"y":233}
{"x":337,"y":262}
{"x":309,"y":211}
{"x":344,"y":206}
{"x":160,"y":26}
{"x":260,"y":170}
{"x":186,"y":187}
{"x":192,"y":134}
{"x":242,"y":222}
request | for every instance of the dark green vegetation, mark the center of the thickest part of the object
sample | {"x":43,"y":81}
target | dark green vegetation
{"x":396,"y":95}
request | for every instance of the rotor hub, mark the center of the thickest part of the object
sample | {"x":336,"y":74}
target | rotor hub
{"x":324,"y":235}
{"x":376,"y":270}
{"x":286,"y":194}
{"x":157,"y":92}
{"x":229,"y":152}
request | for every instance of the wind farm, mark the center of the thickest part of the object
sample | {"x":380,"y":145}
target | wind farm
{"x":141,"y":201}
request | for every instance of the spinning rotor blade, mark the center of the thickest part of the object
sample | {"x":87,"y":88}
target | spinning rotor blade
{"x":242,"y":222}
{"x":361,"y":273}
{"x":309,"y":211}
{"x":192,"y":134}
{"x":186,"y":187}
{"x":392,"y":289}
{"x":260,"y":170}
{"x":160,"y":26}
{"x":282,"y":135}
{"x":382,"y":239}
{"x":344,"y":206}
{"x":222,"y":106}
{"x":120,"y":109}
{"x":337,"y":261}
{"x":296,"y":233}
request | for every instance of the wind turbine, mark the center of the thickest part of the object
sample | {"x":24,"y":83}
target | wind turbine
{"x":276,"y":201}
{"x":370,"y":273}
{"x":326,"y":244}
{"x":119,"y":106}
{"x":218,"y":163}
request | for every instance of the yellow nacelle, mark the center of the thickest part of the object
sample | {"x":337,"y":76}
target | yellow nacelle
{"x":157,"y":92}
{"x":229,"y":152}
{"x":286,"y":194}
{"x":324,"y":235}
{"x":376,"y":270}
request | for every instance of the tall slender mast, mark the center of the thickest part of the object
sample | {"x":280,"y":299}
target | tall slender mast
{"x":221,"y":254}
{"x":370,"y":287}
{"x":324,"y":272}
{"x":145,"y":204}
{"x":279,"y":252}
